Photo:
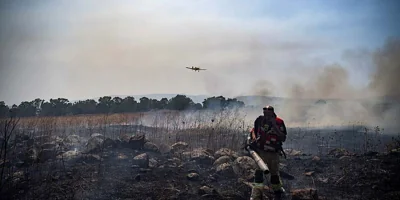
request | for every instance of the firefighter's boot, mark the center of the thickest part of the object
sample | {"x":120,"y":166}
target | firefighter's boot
{"x":257,"y":190}
{"x":277,"y":186}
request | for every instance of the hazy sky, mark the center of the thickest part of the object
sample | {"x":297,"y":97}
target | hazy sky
{"x":84,"y":49}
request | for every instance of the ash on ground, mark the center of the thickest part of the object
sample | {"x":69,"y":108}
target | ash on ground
{"x":132,"y":167}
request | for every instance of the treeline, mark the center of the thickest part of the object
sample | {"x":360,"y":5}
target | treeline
{"x":107,"y":104}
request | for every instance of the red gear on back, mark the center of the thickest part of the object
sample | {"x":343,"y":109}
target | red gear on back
{"x":263,"y":136}
{"x":279,"y":121}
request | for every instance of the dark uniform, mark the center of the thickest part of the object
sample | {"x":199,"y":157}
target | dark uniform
{"x":269,"y":145}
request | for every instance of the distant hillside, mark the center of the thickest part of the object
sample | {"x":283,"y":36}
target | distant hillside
{"x":258,"y":100}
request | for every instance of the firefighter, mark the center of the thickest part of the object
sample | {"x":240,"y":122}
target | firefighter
{"x":269,"y":133}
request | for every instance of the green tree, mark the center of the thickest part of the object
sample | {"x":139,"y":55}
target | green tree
{"x":129,"y":104}
{"x":4,"y":109}
{"x":116,"y":105}
{"x":214,"y":102}
{"x":163,"y":103}
{"x":234,"y":103}
{"x":13,"y":111}
{"x":105,"y":104}
{"x":221,"y":102}
{"x":26,"y":109}
{"x":180,"y":102}
{"x":56,"y":107}
{"x":84,"y":107}
{"x":197,"y":106}
{"x":154,"y":104}
{"x":37,"y":104}
{"x":144,"y":104}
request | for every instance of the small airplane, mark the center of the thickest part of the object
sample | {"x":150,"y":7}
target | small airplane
{"x":195,"y":68}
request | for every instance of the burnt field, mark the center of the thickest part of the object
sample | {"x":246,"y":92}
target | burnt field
{"x":188,"y":157}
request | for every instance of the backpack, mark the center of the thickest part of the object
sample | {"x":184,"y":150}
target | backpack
{"x":261,"y":126}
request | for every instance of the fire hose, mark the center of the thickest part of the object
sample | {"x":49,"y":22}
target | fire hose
{"x":261,"y":164}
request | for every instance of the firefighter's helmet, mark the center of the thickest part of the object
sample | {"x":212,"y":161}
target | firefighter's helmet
{"x":268,"y":107}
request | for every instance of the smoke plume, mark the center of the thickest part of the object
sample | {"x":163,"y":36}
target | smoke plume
{"x":326,"y":97}
{"x":386,"y":76}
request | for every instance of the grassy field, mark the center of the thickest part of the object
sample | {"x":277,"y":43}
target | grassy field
{"x":211,"y":129}
{"x":163,"y":126}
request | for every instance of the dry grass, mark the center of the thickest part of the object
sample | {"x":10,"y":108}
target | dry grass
{"x":79,"y":120}
{"x":162,"y":126}
{"x":203,"y":128}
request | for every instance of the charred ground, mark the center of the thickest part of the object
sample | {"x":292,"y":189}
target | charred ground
{"x":196,"y":163}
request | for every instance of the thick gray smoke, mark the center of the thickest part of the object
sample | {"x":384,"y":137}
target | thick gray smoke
{"x":386,"y":76}
{"x":324,"y":96}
